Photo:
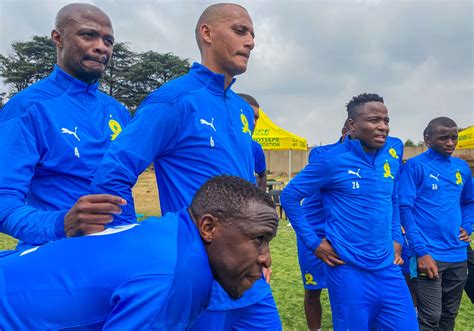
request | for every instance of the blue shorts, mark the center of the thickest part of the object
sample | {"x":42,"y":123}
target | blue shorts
{"x":313,"y":270}
{"x":262,"y":316}
{"x":370,"y":299}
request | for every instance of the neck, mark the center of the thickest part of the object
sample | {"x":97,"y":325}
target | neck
{"x":217,"y":70}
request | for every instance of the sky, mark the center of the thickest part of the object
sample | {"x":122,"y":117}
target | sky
{"x":311,"y":57}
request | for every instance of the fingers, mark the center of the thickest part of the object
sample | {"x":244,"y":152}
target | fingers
{"x":434,"y":271}
{"x":398,"y":260}
{"x":100,"y":208}
{"x":98,"y":198}
{"x":464,"y":236}
{"x":336,"y":260}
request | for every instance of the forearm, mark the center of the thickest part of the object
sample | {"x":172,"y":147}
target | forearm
{"x":116,"y":180}
{"x":28,"y":224}
{"x":290,"y":200}
{"x":412,"y":232}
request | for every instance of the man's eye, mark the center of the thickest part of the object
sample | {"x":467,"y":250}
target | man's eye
{"x":259,"y":240}
{"x":88,"y":35}
{"x":109,"y":42}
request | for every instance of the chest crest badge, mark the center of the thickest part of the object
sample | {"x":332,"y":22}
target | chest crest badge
{"x":393,"y":153}
{"x":387,"y":171}
{"x":115,"y":128}
{"x":245,"y":124}
{"x":458,"y":178}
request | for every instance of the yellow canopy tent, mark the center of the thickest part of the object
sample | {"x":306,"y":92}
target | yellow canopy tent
{"x":466,"y":138}
{"x":272,"y":137}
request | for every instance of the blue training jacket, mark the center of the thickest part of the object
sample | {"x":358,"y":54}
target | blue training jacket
{"x":313,"y":208}
{"x":135,"y":277}
{"x":192,"y":129}
{"x":53,"y":134}
{"x":259,"y":158}
{"x":433,"y":191}
{"x":359,"y":199}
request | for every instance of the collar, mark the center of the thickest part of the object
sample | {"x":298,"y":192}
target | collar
{"x":356,"y":146}
{"x":433,"y":155}
{"x":214,"y":82}
{"x":65,"y":80}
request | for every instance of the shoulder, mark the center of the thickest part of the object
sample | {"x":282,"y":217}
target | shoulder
{"x":318,"y":150}
{"x":174,"y":90}
{"x":20,"y":102}
{"x":461,"y":163}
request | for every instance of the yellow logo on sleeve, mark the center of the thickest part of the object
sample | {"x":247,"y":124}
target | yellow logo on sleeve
{"x":393,"y":153}
{"x":458,"y":178}
{"x":245,"y":123}
{"x":309,"y":279}
{"x":115,"y":127}
{"x":388,"y":172}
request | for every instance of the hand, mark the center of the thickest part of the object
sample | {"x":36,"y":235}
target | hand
{"x":464,"y":236}
{"x":427,"y":266}
{"x":398,"y":253}
{"x":267,"y":272}
{"x":91,"y":213}
{"x":327,"y":254}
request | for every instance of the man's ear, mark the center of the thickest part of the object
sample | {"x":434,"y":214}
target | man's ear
{"x":350,"y":125}
{"x":205,"y":31}
{"x":207,"y":227}
{"x":57,"y":38}
{"x":427,"y":140}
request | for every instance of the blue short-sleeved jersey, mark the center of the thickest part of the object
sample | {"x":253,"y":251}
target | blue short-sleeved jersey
{"x":259,"y":157}
{"x":362,"y":219}
{"x":192,"y":128}
{"x":53,"y":134}
{"x":133,"y":277}
{"x":433,"y":190}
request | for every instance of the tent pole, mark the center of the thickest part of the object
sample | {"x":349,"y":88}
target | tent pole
{"x":289,"y":165}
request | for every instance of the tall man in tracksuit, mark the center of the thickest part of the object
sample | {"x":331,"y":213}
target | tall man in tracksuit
{"x":193,"y":128}
{"x":356,"y":182}
{"x":434,"y":188}
{"x":54,"y":133}
{"x":155,"y":275}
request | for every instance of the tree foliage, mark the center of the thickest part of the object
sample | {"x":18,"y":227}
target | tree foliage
{"x":129,"y":77}
{"x":27,"y":62}
{"x":409,"y":143}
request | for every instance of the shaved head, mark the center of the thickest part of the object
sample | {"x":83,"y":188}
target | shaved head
{"x":76,"y":10}
{"x":84,"y":41}
{"x":213,"y":14}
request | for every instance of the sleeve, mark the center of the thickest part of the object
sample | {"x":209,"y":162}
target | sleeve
{"x":467,"y":204}
{"x":407,"y":192}
{"x":396,"y":226}
{"x":19,"y":156}
{"x":137,"y":304}
{"x":151,"y":132}
{"x":259,"y":156}
{"x":308,"y":182}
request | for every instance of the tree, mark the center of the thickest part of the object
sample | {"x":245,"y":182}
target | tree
{"x":150,"y":72}
{"x":116,"y":81}
{"x":409,"y":143}
{"x":28,"y":62}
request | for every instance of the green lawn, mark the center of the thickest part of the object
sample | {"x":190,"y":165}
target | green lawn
{"x":288,"y":289}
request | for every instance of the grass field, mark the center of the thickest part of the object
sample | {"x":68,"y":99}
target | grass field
{"x":286,"y":279}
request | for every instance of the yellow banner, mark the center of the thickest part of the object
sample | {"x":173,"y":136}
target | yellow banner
{"x":466,"y":138}
{"x":272,"y":137}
